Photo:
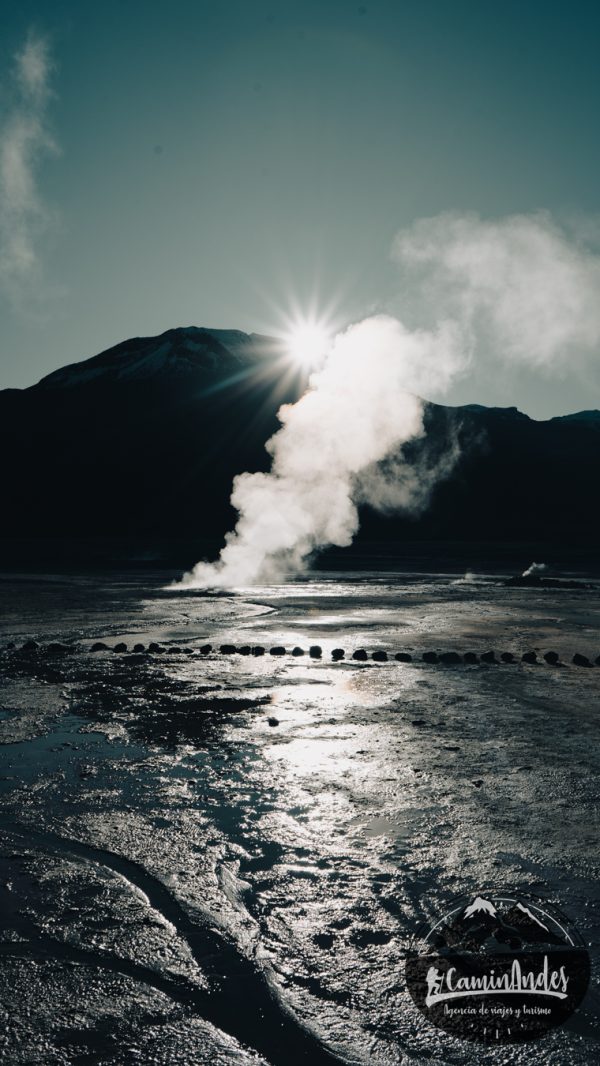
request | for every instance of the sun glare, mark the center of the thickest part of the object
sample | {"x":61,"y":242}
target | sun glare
{"x":308,"y":343}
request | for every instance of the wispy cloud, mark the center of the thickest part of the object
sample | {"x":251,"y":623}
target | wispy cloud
{"x":25,"y":139}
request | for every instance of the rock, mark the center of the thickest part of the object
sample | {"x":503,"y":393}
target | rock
{"x":507,"y":657}
{"x":273,"y":722}
{"x":450,"y":657}
{"x":30,"y":645}
{"x":551,"y":657}
{"x":298,"y":651}
{"x":489,"y":657}
{"x":175,"y":650}
{"x":120,"y":648}
{"x":315,"y":651}
{"x":323,"y":940}
{"x":529,"y":657}
{"x":258,"y":650}
{"x":360,"y":655}
{"x":478,"y":783}
{"x":337,"y":654}
{"x":138,"y":648}
{"x":597,"y":660}
{"x":379,"y":656}
{"x":403,"y":657}
{"x":227,"y":649}
{"x":155,"y":648}
{"x":418,"y":721}
{"x":205,"y":649}
{"x":57,"y":649}
{"x":277,"y":650}
{"x":429,"y":657}
{"x":99,"y":646}
{"x":10,"y":646}
{"x":471,"y":658}
{"x":580,"y":660}
{"x":245,"y":649}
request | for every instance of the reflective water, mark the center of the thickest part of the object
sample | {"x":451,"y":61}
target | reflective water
{"x":206,"y":858}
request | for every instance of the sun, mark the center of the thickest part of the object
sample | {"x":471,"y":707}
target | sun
{"x":308,"y":343}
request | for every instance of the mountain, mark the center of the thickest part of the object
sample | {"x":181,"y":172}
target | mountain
{"x":140,"y":444}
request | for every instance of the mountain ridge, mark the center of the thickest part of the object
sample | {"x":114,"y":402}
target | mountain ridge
{"x":143,"y":441}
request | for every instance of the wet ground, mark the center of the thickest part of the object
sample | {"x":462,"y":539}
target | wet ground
{"x":211,"y":858}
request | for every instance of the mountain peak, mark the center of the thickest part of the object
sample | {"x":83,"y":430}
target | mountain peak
{"x":479,"y":904}
{"x":182,"y":352}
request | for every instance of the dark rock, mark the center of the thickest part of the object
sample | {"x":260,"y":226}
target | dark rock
{"x":403,"y":657}
{"x":323,"y":940}
{"x":507,"y":657}
{"x":227,"y":649}
{"x":450,"y":657}
{"x":489,"y":657}
{"x":30,"y":645}
{"x":580,"y":660}
{"x":175,"y":650}
{"x":205,"y":649}
{"x":120,"y":648}
{"x":11,"y":645}
{"x":273,"y":721}
{"x":597,"y":660}
{"x":478,"y":783}
{"x":360,"y":654}
{"x":337,"y":654}
{"x":245,"y":649}
{"x":277,"y":650}
{"x":258,"y":650}
{"x":430,"y":657}
{"x":155,"y":648}
{"x":529,"y":657}
{"x":315,"y":651}
{"x":57,"y":649}
{"x":418,"y":721}
{"x":551,"y":657}
{"x":99,"y":646}
{"x":298,"y":651}
{"x":470,"y":657}
{"x":379,"y":656}
{"x":139,"y":648}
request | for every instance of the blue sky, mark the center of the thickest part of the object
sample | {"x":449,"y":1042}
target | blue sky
{"x":219,"y":162}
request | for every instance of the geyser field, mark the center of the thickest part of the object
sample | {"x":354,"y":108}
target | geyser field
{"x":213,"y":858}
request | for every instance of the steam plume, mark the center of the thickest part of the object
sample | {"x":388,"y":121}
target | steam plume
{"x":357,"y":409}
{"x":515,"y":290}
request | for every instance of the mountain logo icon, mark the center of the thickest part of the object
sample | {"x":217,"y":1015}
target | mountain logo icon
{"x":498,"y":967}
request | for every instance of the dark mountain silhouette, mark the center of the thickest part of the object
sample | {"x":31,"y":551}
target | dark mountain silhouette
{"x":140,"y":444}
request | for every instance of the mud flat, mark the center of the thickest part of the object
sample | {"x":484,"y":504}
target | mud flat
{"x":210,"y":858}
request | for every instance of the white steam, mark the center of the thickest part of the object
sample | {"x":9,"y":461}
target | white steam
{"x":514,"y":290}
{"x":356,"y":411}
{"x":24,"y":140}
{"x":522,"y":289}
{"x":536,"y":570}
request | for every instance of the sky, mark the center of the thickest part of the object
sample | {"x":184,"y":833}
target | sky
{"x":224,"y":163}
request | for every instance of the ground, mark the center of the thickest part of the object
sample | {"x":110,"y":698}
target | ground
{"x":212,"y":858}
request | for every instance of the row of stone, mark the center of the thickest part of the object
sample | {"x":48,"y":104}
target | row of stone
{"x":432,"y":657}
{"x":315,"y":652}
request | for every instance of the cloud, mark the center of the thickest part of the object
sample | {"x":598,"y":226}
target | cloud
{"x":522,"y":289}
{"x":25,"y":139}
